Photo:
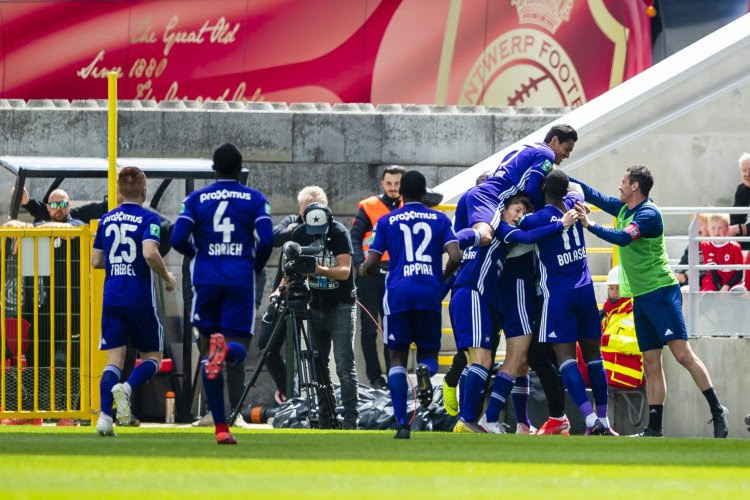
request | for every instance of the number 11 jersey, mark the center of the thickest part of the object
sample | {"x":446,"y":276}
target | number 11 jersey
{"x":223,"y":217}
{"x":414,"y":237}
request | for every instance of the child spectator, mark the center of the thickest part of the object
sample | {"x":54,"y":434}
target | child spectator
{"x":682,"y":276}
{"x":721,"y":253}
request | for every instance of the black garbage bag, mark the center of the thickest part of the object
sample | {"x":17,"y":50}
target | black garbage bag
{"x":375,"y":411}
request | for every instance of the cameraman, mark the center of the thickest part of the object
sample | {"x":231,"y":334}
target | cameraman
{"x":282,"y":232}
{"x":332,"y":310}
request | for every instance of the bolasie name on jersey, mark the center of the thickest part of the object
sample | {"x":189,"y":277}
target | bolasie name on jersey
{"x":411,"y":215}
{"x":224,"y":194}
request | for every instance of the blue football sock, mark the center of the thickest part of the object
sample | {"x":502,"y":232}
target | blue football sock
{"x":236,"y":352}
{"x":501,"y":387}
{"x":520,"y":394}
{"x":398,"y":385}
{"x":110,"y":376}
{"x":598,"y":381}
{"x":430,"y":362}
{"x":476,"y":381}
{"x":462,"y":387}
{"x":143,"y":373}
{"x":573,"y":382}
{"x":215,"y":396}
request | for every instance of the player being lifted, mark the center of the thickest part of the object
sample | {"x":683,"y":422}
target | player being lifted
{"x":415,"y":237}
{"x":226,"y":227}
{"x":569,"y":310}
{"x":471,"y":304}
{"x":521,"y":170}
{"x":657,"y":301}
{"x":126,"y":246}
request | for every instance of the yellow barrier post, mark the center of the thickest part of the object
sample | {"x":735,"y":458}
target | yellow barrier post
{"x":112,"y":139}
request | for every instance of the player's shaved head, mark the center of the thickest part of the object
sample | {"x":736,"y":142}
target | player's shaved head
{"x":556,"y":184}
{"x":227,"y":161}
{"x":413,"y":186}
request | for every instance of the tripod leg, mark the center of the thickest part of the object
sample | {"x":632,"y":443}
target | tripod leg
{"x":322,"y":377}
{"x":277,"y":331}
{"x":306,"y":375}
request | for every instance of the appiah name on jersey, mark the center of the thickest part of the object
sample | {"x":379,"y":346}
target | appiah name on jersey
{"x":418,"y":268}
{"x":217,"y":249}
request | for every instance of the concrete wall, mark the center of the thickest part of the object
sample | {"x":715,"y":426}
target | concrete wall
{"x":686,"y":411}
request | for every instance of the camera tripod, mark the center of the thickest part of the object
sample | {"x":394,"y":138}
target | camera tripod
{"x":292,"y":309}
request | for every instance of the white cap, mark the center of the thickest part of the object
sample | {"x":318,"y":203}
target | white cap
{"x":613,"y":276}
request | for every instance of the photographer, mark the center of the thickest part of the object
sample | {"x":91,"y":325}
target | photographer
{"x":282,"y":232}
{"x":332,"y":310}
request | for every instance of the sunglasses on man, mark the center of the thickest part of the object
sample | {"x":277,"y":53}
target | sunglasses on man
{"x":59,"y":204}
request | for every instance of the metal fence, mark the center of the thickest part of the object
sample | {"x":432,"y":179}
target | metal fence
{"x":45,"y":334}
{"x":710,"y":313}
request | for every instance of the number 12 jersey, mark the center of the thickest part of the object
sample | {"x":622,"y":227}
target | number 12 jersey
{"x":414,"y":237}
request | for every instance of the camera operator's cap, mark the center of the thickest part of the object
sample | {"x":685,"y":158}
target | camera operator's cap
{"x":316,"y":218}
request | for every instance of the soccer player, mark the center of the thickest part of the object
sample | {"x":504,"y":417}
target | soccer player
{"x":415,"y":237}
{"x":127,"y":247}
{"x":569,"y":309}
{"x":657,"y":301}
{"x":521,"y":170}
{"x":226,"y":227}
{"x":474,"y":290}
{"x":515,"y":302}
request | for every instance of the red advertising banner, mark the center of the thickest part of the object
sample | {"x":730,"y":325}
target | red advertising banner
{"x":497,"y":52}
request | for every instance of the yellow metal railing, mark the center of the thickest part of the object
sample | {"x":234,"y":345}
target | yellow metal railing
{"x":51,"y":268}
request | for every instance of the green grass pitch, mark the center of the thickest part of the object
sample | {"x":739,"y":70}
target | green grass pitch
{"x":48,"y":462}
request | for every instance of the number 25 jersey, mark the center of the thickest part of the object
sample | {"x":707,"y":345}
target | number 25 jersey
{"x":414,"y":237}
{"x":223,"y":217}
{"x":127,"y":280}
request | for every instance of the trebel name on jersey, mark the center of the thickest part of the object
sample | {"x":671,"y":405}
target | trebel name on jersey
{"x":121,"y":270}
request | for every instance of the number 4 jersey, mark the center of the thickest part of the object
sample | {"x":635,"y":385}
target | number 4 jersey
{"x":120,"y":236}
{"x":414,"y":237}
{"x":223,"y":217}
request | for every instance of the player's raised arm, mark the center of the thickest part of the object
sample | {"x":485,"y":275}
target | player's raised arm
{"x":609,"y":204}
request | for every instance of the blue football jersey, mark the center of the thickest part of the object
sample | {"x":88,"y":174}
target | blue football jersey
{"x":481,"y":267}
{"x":560,"y":259}
{"x":414,"y":237}
{"x":120,"y":235}
{"x":223,"y":217}
{"x":523,"y":169}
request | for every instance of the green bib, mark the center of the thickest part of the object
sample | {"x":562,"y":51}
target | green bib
{"x":644,"y":266}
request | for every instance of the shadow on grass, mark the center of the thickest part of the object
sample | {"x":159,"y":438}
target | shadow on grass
{"x":379,"y":446}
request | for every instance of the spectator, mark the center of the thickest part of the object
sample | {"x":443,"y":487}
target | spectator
{"x":623,"y":360}
{"x":740,"y":223}
{"x":721,"y":253}
{"x":370,"y":289}
{"x":682,"y":276}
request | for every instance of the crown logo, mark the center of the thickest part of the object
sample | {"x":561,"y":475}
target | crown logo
{"x":549,"y":14}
